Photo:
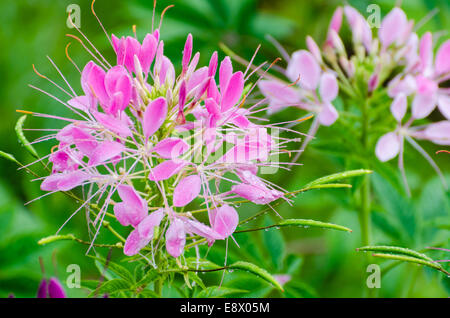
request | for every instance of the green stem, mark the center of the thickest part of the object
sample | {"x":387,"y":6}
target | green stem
{"x":365,"y":193}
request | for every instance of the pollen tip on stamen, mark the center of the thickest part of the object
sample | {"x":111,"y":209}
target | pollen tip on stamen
{"x":304,"y":118}
{"x":442,"y":151}
{"x":24,"y":112}
{"x":37,"y":73}
{"x":92,"y":6}
{"x":296,"y":81}
{"x":52,"y":150}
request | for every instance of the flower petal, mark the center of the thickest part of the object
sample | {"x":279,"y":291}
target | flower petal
{"x":393,"y":27}
{"x":134,"y":243}
{"x":442,"y":63}
{"x":225,"y":72}
{"x":166,"y":169}
{"x":399,"y":106}
{"x":444,"y":105}
{"x":388,"y":147}
{"x":423,"y":105}
{"x":234,"y":91}
{"x":328,"y":115}
{"x":171,"y":148}
{"x":439,"y":133}
{"x":187,"y":190}
{"x":224,"y":220}
{"x":147,"y":226}
{"x":105,"y":151}
{"x":328,"y":88}
{"x":175,"y":238}
{"x":154,"y":116}
{"x":303,"y":65}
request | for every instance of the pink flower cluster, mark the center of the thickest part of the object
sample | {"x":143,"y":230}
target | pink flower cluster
{"x":158,"y":141}
{"x":317,"y":75}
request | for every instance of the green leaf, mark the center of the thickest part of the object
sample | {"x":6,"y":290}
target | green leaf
{"x":339,"y":176}
{"x":217,"y":292}
{"x":89,"y":284}
{"x":261,"y":273}
{"x":149,"y":277}
{"x":113,"y":286}
{"x":116,"y":269}
{"x":22,"y":139}
{"x":195,"y":278}
{"x":8,"y":156}
{"x":412,"y":260}
{"x":301,"y":223}
{"x":395,"y":250}
{"x":146,"y":293}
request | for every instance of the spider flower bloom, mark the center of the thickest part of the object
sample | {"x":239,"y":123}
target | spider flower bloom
{"x":149,"y":144}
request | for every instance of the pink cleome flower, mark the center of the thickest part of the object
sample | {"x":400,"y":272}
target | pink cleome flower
{"x":148,"y":142}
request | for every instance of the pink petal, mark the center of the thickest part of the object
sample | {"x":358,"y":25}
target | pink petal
{"x":444,"y":105}
{"x":171,"y":148}
{"x":134,"y":243}
{"x":225,"y":72}
{"x":132,"y":48}
{"x":80,"y":102}
{"x":96,"y":82}
{"x":147,"y":226}
{"x":187,"y":190}
{"x":257,"y":194}
{"x":224,"y":220}
{"x":393,"y":27}
{"x":106,"y":151}
{"x":187,"y":53}
{"x":399,"y":106}
{"x":197,"y":78}
{"x":175,"y":238}
{"x":148,"y":52}
{"x":234,"y":91}
{"x":423,"y":105}
{"x":442,"y":63}
{"x":133,"y":209}
{"x":212,"y":69}
{"x":167,"y":72}
{"x":113,"y":124}
{"x":117,"y":80}
{"x":388,"y":147}
{"x":328,"y":115}
{"x":64,"y":181}
{"x":359,"y":26}
{"x":328,"y":88}
{"x":439,"y":133}
{"x":154,"y":116}
{"x":212,"y":107}
{"x":426,"y":52}
{"x":195,"y":227}
{"x":166,"y":169}
{"x":303,"y":65}
{"x":314,"y":49}
{"x":279,"y":94}
{"x":336,"y":20}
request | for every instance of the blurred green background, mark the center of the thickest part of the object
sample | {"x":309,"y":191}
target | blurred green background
{"x":323,"y":263}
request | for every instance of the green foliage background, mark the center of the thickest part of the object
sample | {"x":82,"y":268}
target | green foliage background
{"x":322,"y":263}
